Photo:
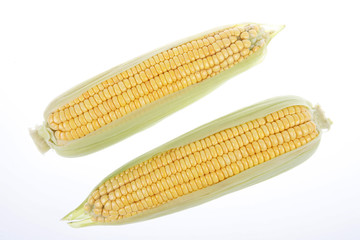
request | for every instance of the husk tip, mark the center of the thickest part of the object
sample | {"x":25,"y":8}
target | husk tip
{"x":78,"y":218}
{"x":273,"y":29}
{"x":82,"y":223}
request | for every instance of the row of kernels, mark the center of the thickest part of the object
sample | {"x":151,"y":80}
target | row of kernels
{"x":233,"y":144}
{"x":198,"y":181}
{"x":129,"y":96}
{"x":128,"y":73}
{"x":184,"y":48}
{"x":128,"y":99}
{"x":231,"y":168}
{"x":238,"y":142}
{"x":214,"y":163}
{"x":195,"y":184}
{"x":226,"y":139}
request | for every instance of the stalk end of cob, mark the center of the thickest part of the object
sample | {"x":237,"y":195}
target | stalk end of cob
{"x":320,"y":118}
{"x":40,"y":137}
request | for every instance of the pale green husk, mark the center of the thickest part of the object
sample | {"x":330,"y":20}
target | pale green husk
{"x":144,"y":117}
{"x":261,"y":172}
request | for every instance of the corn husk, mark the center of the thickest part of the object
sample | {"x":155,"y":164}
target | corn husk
{"x":256,"y":174}
{"x":146,"y":116}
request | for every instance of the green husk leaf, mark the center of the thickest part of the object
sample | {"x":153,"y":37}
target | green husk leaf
{"x":261,"y":172}
{"x":150,"y":114}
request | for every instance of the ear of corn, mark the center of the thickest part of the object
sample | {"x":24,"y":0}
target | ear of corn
{"x":228,"y":154}
{"x":132,"y":96}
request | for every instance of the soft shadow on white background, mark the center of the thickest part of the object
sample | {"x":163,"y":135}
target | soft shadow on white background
{"x":47,"y":47}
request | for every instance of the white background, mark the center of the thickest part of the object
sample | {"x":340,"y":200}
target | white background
{"x":47,"y":47}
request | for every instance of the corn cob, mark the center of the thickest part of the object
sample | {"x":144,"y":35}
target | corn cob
{"x":233,"y":152}
{"x":134,"y":95}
